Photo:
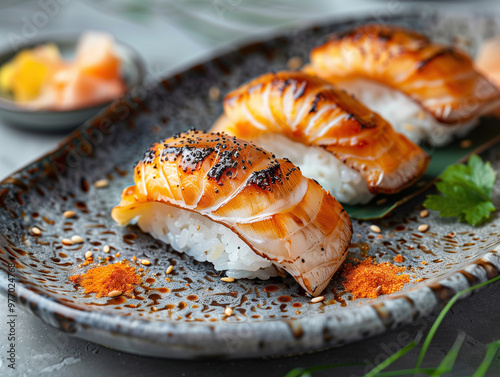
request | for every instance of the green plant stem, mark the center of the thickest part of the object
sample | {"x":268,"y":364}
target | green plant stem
{"x":448,"y":361}
{"x":441,"y":316}
{"x":491,"y":352}
{"x":405,"y":372}
{"x":395,"y":356}
{"x":301,"y":372}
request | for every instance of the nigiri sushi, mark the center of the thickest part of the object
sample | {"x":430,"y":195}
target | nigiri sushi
{"x":350,"y":150}
{"x":224,"y":200}
{"x":427,"y":91}
{"x":487,"y":59}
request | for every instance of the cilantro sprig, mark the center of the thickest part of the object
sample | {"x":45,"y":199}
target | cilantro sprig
{"x":466,"y":190}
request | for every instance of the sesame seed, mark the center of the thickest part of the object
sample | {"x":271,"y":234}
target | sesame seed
{"x":424,"y":213}
{"x":317,"y":299}
{"x":423,"y":228}
{"x":145,"y":262}
{"x":421,"y":115}
{"x":214,"y":93}
{"x":461,"y":40}
{"x":409,"y":127}
{"x":88,"y":254}
{"x":77,"y":239}
{"x":169,"y":269}
{"x":227,"y":279}
{"x":228,"y":311}
{"x":36,"y":231}
{"x":67,"y":242}
{"x":294,"y":63}
{"x":106,"y":249}
{"x":465,"y":143}
{"x":101,"y":183}
{"x":114,"y":293}
{"x":68,"y":214}
{"x":378,"y":290}
{"x":375,"y":228}
{"x":117,"y":255}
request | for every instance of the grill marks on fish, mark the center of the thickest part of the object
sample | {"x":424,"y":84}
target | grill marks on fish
{"x":299,"y":92}
{"x":281,"y":85}
{"x":385,"y":35}
{"x":227,"y":160}
{"x":442,"y":52}
{"x":314,"y":105}
{"x":362,"y":123}
{"x":266,"y":177}
{"x":191,"y":157}
{"x":299,"y":88}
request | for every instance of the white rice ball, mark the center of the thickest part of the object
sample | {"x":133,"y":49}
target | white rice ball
{"x":344,"y":183}
{"x":205,"y":240}
{"x":404,"y":114}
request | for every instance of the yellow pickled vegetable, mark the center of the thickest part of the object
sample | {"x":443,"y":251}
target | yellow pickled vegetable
{"x":24,"y":75}
{"x":6,"y":73}
{"x":28,"y":77}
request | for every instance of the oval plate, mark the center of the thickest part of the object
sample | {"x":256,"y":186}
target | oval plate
{"x":184,"y":317}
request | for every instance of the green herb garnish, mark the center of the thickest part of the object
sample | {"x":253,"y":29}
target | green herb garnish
{"x":466,"y":192}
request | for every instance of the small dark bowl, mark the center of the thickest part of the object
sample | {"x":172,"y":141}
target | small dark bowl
{"x":53,"y":120}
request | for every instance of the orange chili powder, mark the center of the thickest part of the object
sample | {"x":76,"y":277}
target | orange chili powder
{"x":362,"y":280}
{"x":105,"y":279}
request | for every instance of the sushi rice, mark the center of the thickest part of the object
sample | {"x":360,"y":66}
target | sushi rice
{"x":205,"y":240}
{"x":405,"y":115}
{"x":344,"y":183}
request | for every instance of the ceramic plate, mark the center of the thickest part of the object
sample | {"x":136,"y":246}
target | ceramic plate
{"x":184,"y":318}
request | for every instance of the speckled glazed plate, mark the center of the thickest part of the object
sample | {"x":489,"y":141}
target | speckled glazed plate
{"x":184,"y":318}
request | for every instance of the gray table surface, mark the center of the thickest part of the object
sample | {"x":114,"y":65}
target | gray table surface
{"x":44,"y":351}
